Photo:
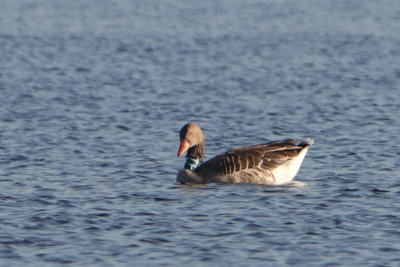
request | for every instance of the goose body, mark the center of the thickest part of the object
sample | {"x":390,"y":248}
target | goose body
{"x":271,"y":163}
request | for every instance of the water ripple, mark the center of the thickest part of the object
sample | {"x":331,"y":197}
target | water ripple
{"x":93,"y":97}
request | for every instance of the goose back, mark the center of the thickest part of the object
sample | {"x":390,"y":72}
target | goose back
{"x":252,"y":164}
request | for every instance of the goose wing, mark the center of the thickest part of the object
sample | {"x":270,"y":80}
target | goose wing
{"x":266,"y":156}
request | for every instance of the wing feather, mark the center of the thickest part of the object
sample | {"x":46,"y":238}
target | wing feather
{"x":266,"y":156}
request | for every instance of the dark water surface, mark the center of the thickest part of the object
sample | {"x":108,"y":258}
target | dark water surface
{"x":93,"y":94}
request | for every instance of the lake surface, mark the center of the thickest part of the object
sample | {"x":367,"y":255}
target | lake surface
{"x":93,"y":95}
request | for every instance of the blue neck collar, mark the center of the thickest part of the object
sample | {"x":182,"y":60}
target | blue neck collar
{"x":192,"y":163}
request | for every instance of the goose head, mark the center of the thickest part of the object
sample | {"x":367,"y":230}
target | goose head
{"x":191,"y":136}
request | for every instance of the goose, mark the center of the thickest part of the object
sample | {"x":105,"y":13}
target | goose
{"x":272,"y":163}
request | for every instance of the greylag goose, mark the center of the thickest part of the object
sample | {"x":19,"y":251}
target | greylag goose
{"x":272,"y":163}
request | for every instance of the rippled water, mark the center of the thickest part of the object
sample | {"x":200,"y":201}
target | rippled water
{"x":93,"y":95}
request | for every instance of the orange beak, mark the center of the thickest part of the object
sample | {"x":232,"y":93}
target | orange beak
{"x":183,"y":147}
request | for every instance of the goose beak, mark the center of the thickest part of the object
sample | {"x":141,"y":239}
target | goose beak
{"x":183,"y":147}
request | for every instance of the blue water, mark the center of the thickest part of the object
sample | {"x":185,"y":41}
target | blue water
{"x":93,"y":95}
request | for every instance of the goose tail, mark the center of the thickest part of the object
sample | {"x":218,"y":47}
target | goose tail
{"x":306,"y":142}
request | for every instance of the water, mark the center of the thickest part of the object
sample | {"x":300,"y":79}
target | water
{"x":93,"y":95}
